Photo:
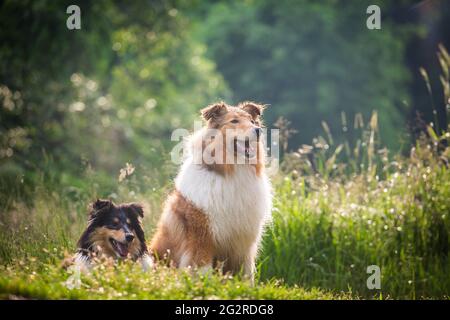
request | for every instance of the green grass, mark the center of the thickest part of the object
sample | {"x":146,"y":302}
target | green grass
{"x":331,"y":224}
{"x":128,"y":281}
{"x":328,"y":237}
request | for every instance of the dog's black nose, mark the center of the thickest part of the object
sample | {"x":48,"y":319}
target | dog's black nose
{"x":129,"y":237}
{"x":258,"y":132}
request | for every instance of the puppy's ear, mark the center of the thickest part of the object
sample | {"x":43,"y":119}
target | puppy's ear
{"x":101,"y":204}
{"x":214,"y":111}
{"x":255,"y":109}
{"x":137,"y":209}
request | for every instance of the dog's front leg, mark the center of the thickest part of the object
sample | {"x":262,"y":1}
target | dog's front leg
{"x":249,"y":266}
{"x":195,"y":260}
{"x":200,"y":257}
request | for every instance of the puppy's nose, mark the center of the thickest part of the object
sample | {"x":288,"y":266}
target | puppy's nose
{"x":129,"y":237}
{"x":258,"y":132}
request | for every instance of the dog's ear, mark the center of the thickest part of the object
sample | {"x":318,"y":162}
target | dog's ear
{"x":100,"y":205}
{"x":255,"y":109}
{"x":136,"y":208}
{"x":214,"y":111}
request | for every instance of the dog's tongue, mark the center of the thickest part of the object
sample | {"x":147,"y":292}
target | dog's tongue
{"x":122,"y":249}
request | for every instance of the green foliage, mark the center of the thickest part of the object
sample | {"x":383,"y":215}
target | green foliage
{"x":310,"y":61}
{"x":111,"y":93}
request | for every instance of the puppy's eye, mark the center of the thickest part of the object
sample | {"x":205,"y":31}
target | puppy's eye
{"x":252,"y":121}
{"x":234,"y":121}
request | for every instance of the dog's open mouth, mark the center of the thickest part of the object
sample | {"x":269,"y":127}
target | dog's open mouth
{"x":246,"y":148}
{"x":120,"y":248}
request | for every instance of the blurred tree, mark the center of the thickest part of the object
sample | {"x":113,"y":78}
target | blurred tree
{"x":312,"y":60}
{"x":106,"y":94}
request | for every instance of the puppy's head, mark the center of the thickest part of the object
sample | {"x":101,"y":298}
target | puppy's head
{"x":114,"y":230}
{"x":239,"y":124}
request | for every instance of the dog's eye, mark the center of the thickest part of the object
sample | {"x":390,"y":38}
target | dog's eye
{"x":252,"y":121}
{"x":234,"y":121}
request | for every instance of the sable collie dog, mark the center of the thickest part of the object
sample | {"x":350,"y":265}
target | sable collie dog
{"x":113,"y":231}
{"x":216,"y":215}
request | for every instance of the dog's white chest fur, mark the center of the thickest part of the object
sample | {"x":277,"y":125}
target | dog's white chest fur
{"x":238,"y":205}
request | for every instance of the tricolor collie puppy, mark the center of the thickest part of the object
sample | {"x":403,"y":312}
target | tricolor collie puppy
{"x":113,"y":231}
{"x":222,"y":198}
